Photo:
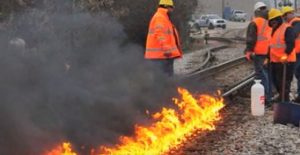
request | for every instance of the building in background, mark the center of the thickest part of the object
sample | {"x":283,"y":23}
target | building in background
{"x":279,"y":3}
{"x":217,"y":6}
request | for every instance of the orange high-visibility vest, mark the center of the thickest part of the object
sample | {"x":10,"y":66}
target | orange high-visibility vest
{"x":297,"y":41}
{"x":263,"y":36}
{"x":163,"y":39}
{"x":278,"y":46}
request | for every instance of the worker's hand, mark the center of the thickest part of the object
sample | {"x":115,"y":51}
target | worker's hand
{"x":283,"y":59}
{"x":249,"y":55}
{"x":266,"y":61}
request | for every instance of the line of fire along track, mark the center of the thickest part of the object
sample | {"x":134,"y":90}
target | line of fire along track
{"x":229,"y":76}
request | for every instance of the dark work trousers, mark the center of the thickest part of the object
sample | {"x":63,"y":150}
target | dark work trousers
{"x":261,"y":72}
{"x":297,"y":73}
{"x":277,"y":75}
{"x":165,"y":65}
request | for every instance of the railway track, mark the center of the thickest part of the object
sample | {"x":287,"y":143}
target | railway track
{"x":217,"y":69}
{"x":239,"y":132}
{"x":223,"y":66}
{"x":228,"y":77}
{"x":204,"y":58}
{"x":239,"y":85}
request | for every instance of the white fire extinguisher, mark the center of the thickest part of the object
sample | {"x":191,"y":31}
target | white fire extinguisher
{"x":257,"y":99}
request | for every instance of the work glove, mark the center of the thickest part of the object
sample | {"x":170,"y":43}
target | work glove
{"x":249,"y":55}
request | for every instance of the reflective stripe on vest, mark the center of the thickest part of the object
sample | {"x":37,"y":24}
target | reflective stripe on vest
{"x":263,"y":35}
{"x":278,"y":39}
{"x":162,"y":39}
{"x":160,"y":49}
{"x":260,"y":36}
{"x":278,"y":45}
{"x":152,"y":31}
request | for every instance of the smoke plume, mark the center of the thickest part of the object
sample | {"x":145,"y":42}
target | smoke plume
{"x":78,"y":78}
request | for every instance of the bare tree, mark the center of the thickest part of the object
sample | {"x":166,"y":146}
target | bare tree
{"x":135,"y":15}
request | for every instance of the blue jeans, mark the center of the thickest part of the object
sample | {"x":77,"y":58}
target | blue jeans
{"x":297,"y":73}
{"x":262,"y":73}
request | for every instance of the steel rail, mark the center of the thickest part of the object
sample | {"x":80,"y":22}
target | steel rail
{"x":199,"y":74}
{"x":210,"y":72}
{"x":227,"y":43}
{"x":208,"y":55}
{"x":237,"y":87}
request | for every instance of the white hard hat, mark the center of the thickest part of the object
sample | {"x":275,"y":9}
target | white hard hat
{"x":259,"y":5}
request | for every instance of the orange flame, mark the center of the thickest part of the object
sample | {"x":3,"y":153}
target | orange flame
{"x":171,"y":127}
{"x":64,"y":149}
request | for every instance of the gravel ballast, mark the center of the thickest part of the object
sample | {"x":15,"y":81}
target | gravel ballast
{"x":240,"y":133}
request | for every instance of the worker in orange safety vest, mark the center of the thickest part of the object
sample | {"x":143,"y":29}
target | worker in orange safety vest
{"x":282,"y":53}
{"x":257,"y":45}
{"x":163,"y":44}
{"x":289,"y":16}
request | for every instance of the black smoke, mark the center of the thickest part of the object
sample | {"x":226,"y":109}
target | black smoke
{"x":79,"y":78}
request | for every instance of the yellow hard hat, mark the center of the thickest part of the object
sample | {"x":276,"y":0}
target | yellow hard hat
{"x":273,"y":13}
{"x":287,"y":9}
{"x":166,"y":2}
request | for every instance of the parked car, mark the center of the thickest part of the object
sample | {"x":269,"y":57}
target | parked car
{"x":193,"y":26}
{"x":234,"y":15}
{"x":211,"y":21}
{"x":238,"y":15}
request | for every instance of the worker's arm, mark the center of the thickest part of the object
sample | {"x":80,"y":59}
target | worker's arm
{"x":296,"y":27}
{"x":251,"y":37}
{"x":251,"y":40}
{"x":289,"y":40}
